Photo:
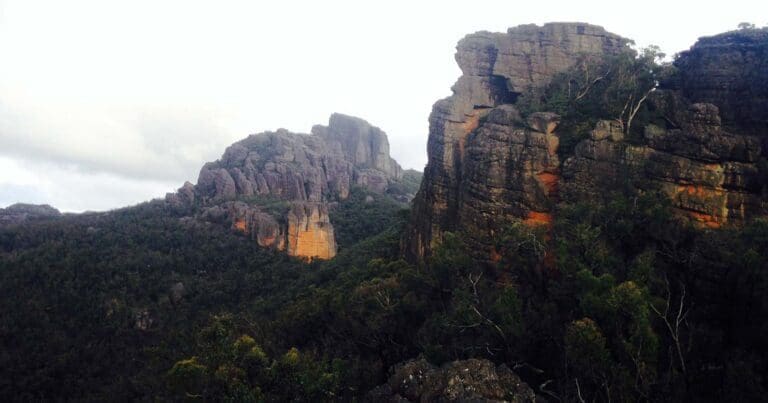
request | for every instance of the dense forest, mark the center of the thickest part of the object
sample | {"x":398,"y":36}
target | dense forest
{"x":616,"y":299}
{"x":136,"y":303}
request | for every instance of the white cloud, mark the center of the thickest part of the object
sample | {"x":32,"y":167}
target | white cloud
{"x":73,"y":189}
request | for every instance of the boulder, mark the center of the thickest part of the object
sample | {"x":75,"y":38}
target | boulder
{"x":458,"y":381}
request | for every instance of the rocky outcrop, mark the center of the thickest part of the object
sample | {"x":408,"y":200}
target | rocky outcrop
{"x":729,"y":70}
{"x":489,"y":166}
{"x":301,"y":174}
{"x":458,"y":381}
{"x":511,"y":171}
{"x":22,"y":212}
{"x":496,"y":69}
{"x":317,"y":167}
{"x":310,"y":232}
{"x":710,"y":175}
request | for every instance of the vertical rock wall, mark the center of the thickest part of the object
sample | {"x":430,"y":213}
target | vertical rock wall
{"x":496,"y":68}
{"x":488,"y":166}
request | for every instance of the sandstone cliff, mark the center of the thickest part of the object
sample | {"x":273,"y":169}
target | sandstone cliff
{"x":489,"y":165}
{"x":496,"y":69}
{"x":277,"y":187}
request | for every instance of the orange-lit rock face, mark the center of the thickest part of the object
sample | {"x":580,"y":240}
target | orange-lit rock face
{"x":704,"y":205}
{"x":240,"y":225}
{"x":550,"y":181}
{"x":472,"y":122}
{"x":314,"y":243}
{"x":537,"y":218}
{"x":706,"y":220}
{"x":495,"y":256}
{"x":310,"y":233}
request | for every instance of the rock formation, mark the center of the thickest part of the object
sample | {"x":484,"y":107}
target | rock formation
{"x":496,"y":69}
{"x":458,"y":381}
{"x":489,"y":166}
{"x":21,"y":212}
{"x":710,"y":175}
{"x":277,"y":187}
{"x":729,"y":70}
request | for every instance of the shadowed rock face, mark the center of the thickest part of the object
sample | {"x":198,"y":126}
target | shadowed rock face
{"x":710,"y":175}
{"x":731,"y":71}
{"x":496,"y":68}
{"x":488,"y":166}
{"x":305,"y":171}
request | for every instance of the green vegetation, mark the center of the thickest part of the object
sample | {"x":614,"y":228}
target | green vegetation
{"x":606,"y":88}
{"x":362,"y":215}
{"x":617,"y":301}
{"x":408,"y":184}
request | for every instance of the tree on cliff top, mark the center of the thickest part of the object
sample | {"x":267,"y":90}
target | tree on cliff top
{"x":614,"y":87}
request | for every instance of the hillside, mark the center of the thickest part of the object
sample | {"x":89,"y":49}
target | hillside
{"x":590,"y":226}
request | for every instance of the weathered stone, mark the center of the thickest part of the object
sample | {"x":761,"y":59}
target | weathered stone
{"x":544,"y":122}
{"x":310,"y":233}
{"x":708,"y":173}
{"x":215,"y":183}
{"x":458,"y":381}
{"x":308,"y":171}
{"x":729,"y":70}
{"x":607,"y":129}
{"x":489,"y":166}
{"x":318,"y":167}
{"x":496,"y":68}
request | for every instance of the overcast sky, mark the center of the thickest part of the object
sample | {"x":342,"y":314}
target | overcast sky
{"x":109,"y":103}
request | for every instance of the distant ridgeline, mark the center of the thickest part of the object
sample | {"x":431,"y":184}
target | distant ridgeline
{"x":590,"y":227}
{"x":568,"y":112}
{"x":20,"y":212}
{"x":277,"y":187}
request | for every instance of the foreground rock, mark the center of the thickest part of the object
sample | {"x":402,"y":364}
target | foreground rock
{"x":490,"y":166}
{"x":277,"y":187}
{"x":22,"y":212}
{"x":458,"y":381}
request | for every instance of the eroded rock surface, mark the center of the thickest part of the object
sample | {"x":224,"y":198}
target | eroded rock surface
{"x":458,"y":381}
{"x":276,"y":187}
{"x":729,"y":70}
{"x":489,"y":166}
{"x":496,"y":68}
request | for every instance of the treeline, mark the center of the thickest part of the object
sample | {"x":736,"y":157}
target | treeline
{"x":617,"y":301}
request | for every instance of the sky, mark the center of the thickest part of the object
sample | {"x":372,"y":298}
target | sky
{"x":105,"y":104}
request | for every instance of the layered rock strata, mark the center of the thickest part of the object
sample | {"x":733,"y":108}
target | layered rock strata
{"x":489,"y":166}
{"x":710,"y":175}
{"x":301,"y":174}
{"x":496,"y":69}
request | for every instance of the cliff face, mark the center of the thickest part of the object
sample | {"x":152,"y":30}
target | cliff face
{"x":492,"y":170}
{"x":729,"y":70}
{"x":489,"y":166}
{"x":710,"y":175}
{"x":277,"y":186}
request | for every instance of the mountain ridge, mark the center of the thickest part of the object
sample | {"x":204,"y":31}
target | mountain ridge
{"x":309,"y":172}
